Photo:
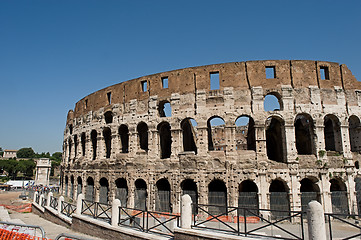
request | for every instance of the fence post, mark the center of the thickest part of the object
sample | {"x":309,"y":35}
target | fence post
{"x":115,"y":212}
{"x":79,"y":203}
{"x":41,"y":200}
{"x":186,"y":212}
{"x":49,"y":199}
{"x":316,"y":221}
{"x":60,"y":203}
{"x":35,"y":196}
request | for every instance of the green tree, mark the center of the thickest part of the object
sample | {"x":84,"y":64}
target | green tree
{"x":27,"y":167}
{"x":1,"y":152}
{"x":57,"y":156}
{"x":25,"y":153}
{"x":10,"y":166}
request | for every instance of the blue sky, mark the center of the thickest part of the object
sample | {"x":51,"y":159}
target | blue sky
{"x":53,"y":53}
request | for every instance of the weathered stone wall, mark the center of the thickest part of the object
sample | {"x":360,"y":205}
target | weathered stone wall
{"x":323,"y":105}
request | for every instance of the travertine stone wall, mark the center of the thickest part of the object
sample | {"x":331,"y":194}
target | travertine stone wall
{"x":301,"y":90}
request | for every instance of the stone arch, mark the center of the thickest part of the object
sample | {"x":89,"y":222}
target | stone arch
{"x":354,"y":127}
{"x":165,"y":109}
{"x":83,"y":141}
{"x":188,"y":126}
{"x":108,"y":117}
{"x":162,"y":198}
{"x":309,"y":192}
{"x":140,"y":194}
{"x":245,"y":133}
{"x":339,"y":199}
{"x":94,"y":140}
{"x":70,"y":129}
{"x":216,"y":134}
{"x":165,"y":139}
{"x":304,"y":133}
{"x":89,"y":193}
{"x":279,"y":199}
{"x":248,"y":197}
{"x":273,"y":102}
{"x":332,"y":133}
{"x":124,"y":138}
{"x":69,"y":148}
{"x":66,"y":185}
{"x":358,"y":193}
{"x":275,"y":139}
{"x":75,"y":145}
{"x":189,"y":187}
{"x":217,"y":196}
{"x":107,"y":134}
{"x":122,"y":191}
{"x":142,"y":130}
{"x":103,"y":191}
{"x":71,"y":187}
{"x":79,"y":185}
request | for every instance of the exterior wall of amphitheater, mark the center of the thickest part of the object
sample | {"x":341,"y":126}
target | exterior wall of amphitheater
{"x":121,"y":132}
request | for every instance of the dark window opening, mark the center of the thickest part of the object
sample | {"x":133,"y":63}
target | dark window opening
{"x":71,"y":187}
{"x":332,"y":133}
{"x":339,"y":198}
{"x":71,"y":129}
{"x":165,"y":82}
{"x":142,"y":129}
{"x":89,"y":193}
{"x":217,"y":196}
{"x":144,"y":86}
{"x":75,"y":145}
{"x":324,"y":73}
{"x":108,"y":116}
{"x":272,"y":102}
{"x":309,"y":192}
{"x":189,"y":135}
{"x":355,"y":133}
{"x":245,"y":134}
{"x":94,"y":140}
{"x":162,"y":198}
{"x":69,"y":148}
{"x":189,"y":187}
{"x":279,"y":200}
{"x":103,"y":191}
{"x":304,"y":134}
{"x":270,"y":72}
{"x":165,"y":140}
{"x":275,"y":139}
{"x":66,"y":185}
{"x":80,"y":186}
{"x":83,"y":140}
{"x":124,"y":138}
{"x":108,"y":141}
{"x":165,"y":109}
{"x":122,"y":191}
{"x":248,"y":197}
{"x":86,"y":103}
{"x":109,"y":96}
{"x":357,"y":166}
{"x":214,"y":79}
{"x":216,"y":134}
{"x":140,"y":195}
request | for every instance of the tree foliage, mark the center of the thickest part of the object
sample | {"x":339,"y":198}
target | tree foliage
{"x":25,"y":153}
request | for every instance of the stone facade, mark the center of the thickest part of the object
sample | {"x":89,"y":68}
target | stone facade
{"x":9,"y":154}
{"x":120,"y":143}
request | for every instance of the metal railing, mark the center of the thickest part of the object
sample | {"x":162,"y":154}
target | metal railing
{"x":333,"y":221}
{"x":67,"y":209}
{"x":27,"y":227}
{"x":54,"y":202}
{"x":43,"y":202}
{"x":148,"y":221}
{"x":97,"y":210}
{"x":251,"y":222}
{"x":37,"y":198}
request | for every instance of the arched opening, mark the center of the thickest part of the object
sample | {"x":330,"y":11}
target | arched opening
{"x":188,"y":126}
{"x":272,"y":102}
{"x":305,"y":143}
{"x":339,"y":196}
{"x":332,"y":133}
{"x":358,"y":193}
{"x":165,"y":140}
{"x":83,"y":139}
{"x":71,"y":187}
{"x":165,"y":109}
{"x":355,"y":133}
{"x":275,"y":139}
{"x":217,"y":196}
{"x":309,"y":192}
{"x":69,"y":149}
{"x":71,"y":128}
{"x":140,"y":195}
{"x":122,"y":191}
{"x":162,"y":199}
{"x":66,"y":186}
{"x":107,"y":134}
{"x":279,"y":200}
{"x":216,"y":134}
{"x":89,"y":193}
{"x":189,"y":187}
{"x":79,"y":186}
{"x":245,"y":134}
{"x":124,"y":138}
{"x":108,"y":117}
{"x":103,"y":191}
{"x":75,"y":145}
{"x":93,"y":136}
{"x":248,"y":197}
{"x":142,"y":129}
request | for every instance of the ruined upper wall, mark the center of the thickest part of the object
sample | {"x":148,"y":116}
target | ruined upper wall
{"x":238,"y":75}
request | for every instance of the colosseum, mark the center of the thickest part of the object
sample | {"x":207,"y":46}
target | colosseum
{"x":213,"y":132}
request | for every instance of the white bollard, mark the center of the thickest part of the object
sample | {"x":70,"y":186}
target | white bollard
{"x":186,"y":212}
{"x":41,"y":200}
{"x":60,"y":204}
{"x":79,"y":203}
{"x":49,"y":199}
{"x":115,"y":212}
{"x":316,"y":221}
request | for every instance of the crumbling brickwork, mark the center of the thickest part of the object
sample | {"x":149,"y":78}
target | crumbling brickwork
{"x":119,"y":142}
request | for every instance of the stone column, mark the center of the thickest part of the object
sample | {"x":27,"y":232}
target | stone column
{"x":351,"y":191}
{"x":290,"y":143}
{"x":115,"y":212}
{"x":295,"y":190}
{"x":88,"y":147}
{"x":316,"y":221}
{"x":79,"y":204}
{"x":202,"y":140}
{"x":260,"y":132}
{"x":153,"y":143}
{"x":177,"y":142}
{"x":101,"y":151}
{"x":230,"y":130}
{"x":346,"y":145}
{"x":186,"y":212}
{"x":326,"y":194}
{"x":116,"y":148}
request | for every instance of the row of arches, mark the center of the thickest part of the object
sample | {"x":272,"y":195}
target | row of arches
{"x":248,"y":193}
{"x":244,"y":134}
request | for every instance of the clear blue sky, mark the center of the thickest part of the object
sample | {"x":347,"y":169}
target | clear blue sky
{"x":53,"y":53}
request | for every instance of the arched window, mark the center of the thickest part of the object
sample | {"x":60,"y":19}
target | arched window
{"x":108,"y":117}
{"x":216,"y":134}
{"x":165,"y":109}
{"x":71,"y":128}
{"x":94,"y":140}
{"x":309,"y":192}
{"x":108,"y":141}
{"x":248,"y":197}
{"x":103,"y":191}
{"x":89,"y":193}
{"x":165,"y":140}
{"x":305,"y":143}
{"x":162,"y":200}
{"x":275,"y":139}
{"x":83,"y":139}
{"x":358,"y":193}
{"x":66,"y":186}
{"x":339,"y":196}
{"x":189,"y":187}
{"x":332,"y":133}
{"x":69,"y":148}
{"x":71,"y":187}
{"x":355,"y":133}
{"x":188,"y":126}
{"x":124,"y":138}
{"x":245,"y":134}
{"x":279,"y":200}
{"x":217,"y":195}
{"x":272,"y":102}
{"x":80,"y":186}
{"x":140,"y":195}
{"x":75,"y":145}
{"x":122,"y":191}
{"x":142,"y":129}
